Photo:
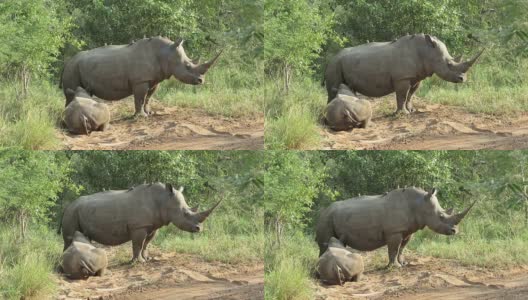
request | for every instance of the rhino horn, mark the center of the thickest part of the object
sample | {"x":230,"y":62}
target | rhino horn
{"x":468,"y":64}
{"x":204,"y":214}
{"x":458,"y":217}
{"x":205,"y":66}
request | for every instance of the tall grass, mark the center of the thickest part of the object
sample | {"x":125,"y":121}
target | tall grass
{"x":292,"y":117}
{"x":26,"y":265}
{"x":230,"y":238}
{"x":29,"y":121}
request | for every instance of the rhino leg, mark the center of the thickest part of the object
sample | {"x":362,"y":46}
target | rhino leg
{"x":146,"y":106}
{"x":402,"y":88}
{"x":404,"y":243}
{"x":393,"y":244}
{"x":408,"y":103}
{"x":138,"y":237}
{"x":140,"y":93}
{"x":144,"y":252}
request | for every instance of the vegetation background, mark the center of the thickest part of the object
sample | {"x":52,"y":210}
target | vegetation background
{"x":38,"y":185}
{"x":299,"y":184}
{"x":38,"y":36}
{"x":302,"y":35}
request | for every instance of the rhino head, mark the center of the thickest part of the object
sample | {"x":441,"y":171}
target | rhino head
{"x":436,"y":218}
{"x":181,"y":215}
{"x":438,"y":61}
{"x":183,"y":68}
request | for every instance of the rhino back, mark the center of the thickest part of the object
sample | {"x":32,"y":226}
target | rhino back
{"x":108,"y":217}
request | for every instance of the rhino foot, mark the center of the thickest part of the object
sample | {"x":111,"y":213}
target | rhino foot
{"x":393,"y":265}
{"x":400,"y":112}
{"x":140,"y":115}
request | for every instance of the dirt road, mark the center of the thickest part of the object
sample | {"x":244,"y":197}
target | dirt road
{"x":431,"y":278}
{"x":432,"y":127}
{"x":170,"y":128}
{"x":169,"y":276}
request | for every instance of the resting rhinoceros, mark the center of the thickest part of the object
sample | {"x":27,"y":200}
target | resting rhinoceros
{"x":115,"y":217}
{"x":378,"y":69}
{"x":84,"y":115}
{"x":115,"y":72}
{"x":347,"y":111}
{"x":366,"y":223}
{"x":338,"y":265}
{"x":81,"y":259}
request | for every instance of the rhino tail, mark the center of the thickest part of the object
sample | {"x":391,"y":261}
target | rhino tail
{"x":60,"y":78}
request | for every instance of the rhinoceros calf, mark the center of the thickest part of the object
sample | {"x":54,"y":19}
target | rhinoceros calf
{"x":115,"y":217}
{"x":347,"y":111}
{"x":366,"y":223}
{"x":378,"y":69}
{"x":82,"y":260}
{"x":84,"y":115}
{"x":116,"y":71}
{"x":338,"y":265}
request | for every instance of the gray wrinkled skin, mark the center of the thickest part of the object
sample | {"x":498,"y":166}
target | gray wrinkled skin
{"x":115,"y":217}
{"x":338,"y":265}
{"x":82,"y":260}
{"x":378,"y":69}
{"x":115,"y":72}
{"x":346,"y":111}
{"x":84,"y":115}
{"x":367,"y":223}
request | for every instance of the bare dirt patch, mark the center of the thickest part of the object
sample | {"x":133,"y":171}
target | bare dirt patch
{"x":431,"y":278}
{"x":432,"y":127}
{"x":168,"y":276}
{"x":170,"y":128}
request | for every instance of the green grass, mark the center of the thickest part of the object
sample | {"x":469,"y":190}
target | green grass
{"x":292,"y":119}
{"x":26,"y":265}
{"x":229,"y":238}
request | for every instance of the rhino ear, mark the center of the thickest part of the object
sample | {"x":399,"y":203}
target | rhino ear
{"x":177,"y":44}
{"x":430,"y":41}
{"x":180,"y":189}
{"x":433,"y":192}
{"x":168,"y":186}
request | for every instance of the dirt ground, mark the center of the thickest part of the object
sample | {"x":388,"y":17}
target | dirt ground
{"x":432,"y":127}
{"x":431,"y":278}
{"x":168,"y":276}
{"x":169,"y":128}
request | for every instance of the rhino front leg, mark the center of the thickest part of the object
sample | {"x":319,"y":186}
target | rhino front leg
{"x":140,"y":93}
{"x":146,"y":106}
{"x":404,"y":243}
{"x":402,"y":88}
{"x":409,"y":103}
{"x":138,"y":237}
{"x":393,"y":244}
{"x":145,"y":251}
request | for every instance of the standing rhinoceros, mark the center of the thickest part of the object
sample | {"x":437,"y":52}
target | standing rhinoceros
{"x":378,"y":69}
{"x":338,"y":265}
{"x":366,"y":223}
{"x":82,"y":260}
{"x":115,"y":217}
{"x":84,"y":115}
{"x":347,"y":111}
{"x":115,"y":72}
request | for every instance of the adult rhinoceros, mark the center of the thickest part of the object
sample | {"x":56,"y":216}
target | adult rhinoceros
{"x":115,"y":72}
{"x":115,"y":217}
{"x":378,"y":69}
{"x":366,"y":223}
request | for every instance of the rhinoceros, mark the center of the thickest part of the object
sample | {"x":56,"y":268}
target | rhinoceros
{"x":378,"y":69}
{"x":366,"y":223}
{"x":347,"y":111}
{"x":338,"y":265}
{"x":117,"y":216}
{"x":82,"y":260}
{"x":115,"y":72}
{"x":84,"y":115}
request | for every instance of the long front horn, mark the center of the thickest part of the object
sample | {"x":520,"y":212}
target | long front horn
{"x":468,"y":64}
{"x":205,"y":66}
{"x":458,"y":217}
{"x":204,"y":214}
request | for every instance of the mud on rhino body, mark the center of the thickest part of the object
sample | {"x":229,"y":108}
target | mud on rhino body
{"x":115,"y":217}
{"x":367,"y":223}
